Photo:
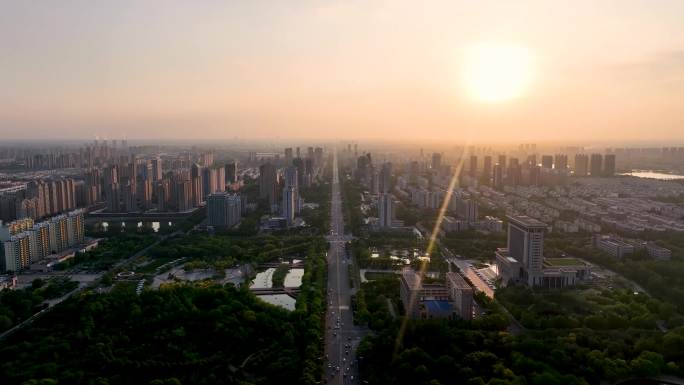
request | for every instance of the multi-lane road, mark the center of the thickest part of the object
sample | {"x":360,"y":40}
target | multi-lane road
{"x":341,"y":336}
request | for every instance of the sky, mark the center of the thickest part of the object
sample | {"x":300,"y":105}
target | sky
{"x":602,"y":70}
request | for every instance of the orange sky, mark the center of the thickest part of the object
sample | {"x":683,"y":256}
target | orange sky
{"x":337,"y":69}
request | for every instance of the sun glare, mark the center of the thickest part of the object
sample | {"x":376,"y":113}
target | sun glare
{"x":497,"y":72}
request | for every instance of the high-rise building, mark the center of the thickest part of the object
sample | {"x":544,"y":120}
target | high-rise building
{"x":223,"y":209}
{"x":473,"y":166}
{"x":183,"y":194}
{"x":502,"y":161}
{"x":17,"y":252}
{"x":268,"y":184}
{"x":375,"y":182}
{"x":498,"y":177}
{"x":386,"y":209}
{"x":157,"y":169}
{"x":609,"y":165}
{"x":560,"y":162}
{"x":291,"y":180}
{"x":526,"y":245}
{"x":547,"y":161}
{"x":436,"y":161}
{"x":596,"y":165}
{"x":467,"y":209}
{"x":384,"y":179}
{"x":288,"y":156}
{"x":58,"y":229}
{"x":39,"y":241}
{"x":487,"y":170}
{"x":288,"y":205}
{"x":581,"y":165}
{"x":231,"y":172}
{"x":197,"y":194}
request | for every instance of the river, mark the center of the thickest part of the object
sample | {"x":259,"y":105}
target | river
{"x":650,"y":174}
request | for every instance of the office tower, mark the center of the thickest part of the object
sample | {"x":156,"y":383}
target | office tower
{"x":268,"y":183}
{"x":473,"y":166}
{"x":531,"y":161}
{"x":502,"y":161}
{"x":384,"y":179}
{"x":596,"y":165}
{"x":609,"y":165}
{"x":526,"y":244}
{"x":461,"y":294}
{"x":197,"y":194}
{"x":231,"y":172}
{"x":547,"y":162}
{"x":487,"y":170}
{"x":498,"y":177}
{"x":560,"y":162}
{"x":17,"y":252}
{"x":223,"y":209}
{"x":581,"y":165}
{"x":288,"y":205}
{"x":436,"y":161}
{"x":386,"y":210}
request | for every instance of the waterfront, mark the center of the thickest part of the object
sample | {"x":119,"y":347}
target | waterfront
{"x":650,"y":174}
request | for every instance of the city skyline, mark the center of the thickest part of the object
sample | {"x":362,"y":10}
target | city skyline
{"x":336,"y":70}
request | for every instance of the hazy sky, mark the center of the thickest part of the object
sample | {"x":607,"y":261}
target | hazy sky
{"x":331,"y":69}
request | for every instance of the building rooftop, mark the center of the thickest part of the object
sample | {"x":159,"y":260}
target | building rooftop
{"x":563,"y":262}
{"x":457,"y":280}
{"x":525,"y":221}
{"x":438,"y":307}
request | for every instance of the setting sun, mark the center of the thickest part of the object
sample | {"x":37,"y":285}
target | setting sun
{"x":497,"y":72}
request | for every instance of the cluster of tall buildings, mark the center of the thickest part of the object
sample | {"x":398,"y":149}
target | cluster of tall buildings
{"x":280,"y":182}
{"x":138,"y":184}
{"x":531,"y":170}
{"x":25,"y":241}
{"x":378,"y":183}
{"x":40,"y":198}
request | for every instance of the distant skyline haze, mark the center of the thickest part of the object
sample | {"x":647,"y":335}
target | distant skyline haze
{"x":581,"y":71}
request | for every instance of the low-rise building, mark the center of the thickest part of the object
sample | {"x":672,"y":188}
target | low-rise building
{"x":658,"y":252}
{"x":613,"y":246}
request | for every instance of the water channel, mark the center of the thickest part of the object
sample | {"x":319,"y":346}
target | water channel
{"x":264,"y":280}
